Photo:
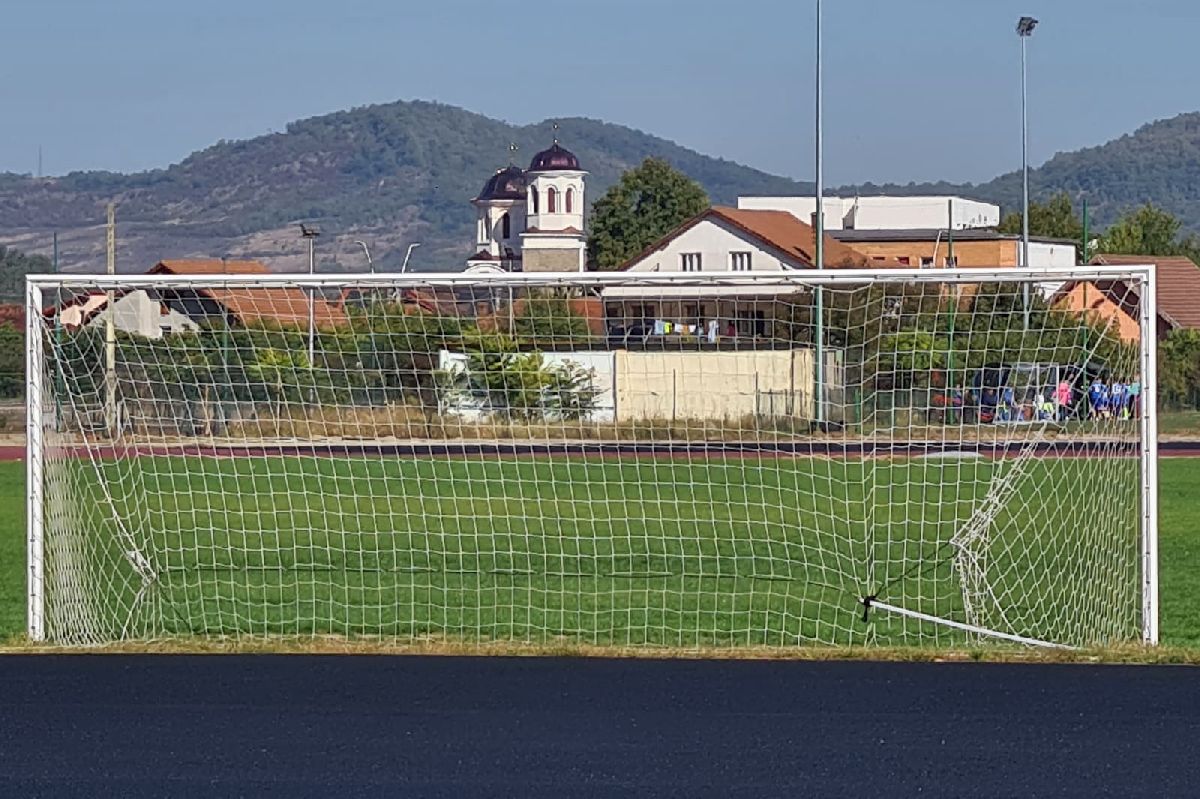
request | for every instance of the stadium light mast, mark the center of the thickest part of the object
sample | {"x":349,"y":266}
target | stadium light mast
{"x":819,"y":244}
{"x":1025,"y":26}
{"x":311,"y":234}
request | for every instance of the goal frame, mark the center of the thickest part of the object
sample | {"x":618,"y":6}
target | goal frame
{"x":38,"y":287}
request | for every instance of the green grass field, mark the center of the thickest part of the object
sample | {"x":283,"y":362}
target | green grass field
{"x":559,"y":549}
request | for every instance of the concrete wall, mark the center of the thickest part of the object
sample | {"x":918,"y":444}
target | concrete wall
{"x":710,"y":385}
{"x":688,"y":385}
{"x":602,"y":365}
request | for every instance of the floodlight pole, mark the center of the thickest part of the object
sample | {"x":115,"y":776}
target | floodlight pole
{"x":311,"y":234}
{"x":110,"y":332}
{"x":819,"y":246}
{"x":1025,"y":27}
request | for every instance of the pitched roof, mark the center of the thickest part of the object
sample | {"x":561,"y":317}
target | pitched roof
{"x":1178,"y":285}
{"x":285,"y":305}
{"x":777,"y":230}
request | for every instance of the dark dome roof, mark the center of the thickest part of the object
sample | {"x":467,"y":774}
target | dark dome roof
{"x":556,"y":157}
{"x":506,"y":184}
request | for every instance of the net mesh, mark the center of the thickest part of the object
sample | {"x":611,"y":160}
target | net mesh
{"x":677,"y":462}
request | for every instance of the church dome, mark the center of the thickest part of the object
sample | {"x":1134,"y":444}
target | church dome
{"x":555,"y":158}
{"x":506,"y":184}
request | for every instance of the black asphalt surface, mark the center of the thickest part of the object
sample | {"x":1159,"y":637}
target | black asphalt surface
{"x":225,"y":725}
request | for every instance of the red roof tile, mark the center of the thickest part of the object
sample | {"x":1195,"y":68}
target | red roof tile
{"x":285,"y":305}
{"x":1178,"y":285}
{"x":779,"y":231}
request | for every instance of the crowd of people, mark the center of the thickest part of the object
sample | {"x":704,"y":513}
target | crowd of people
{"x":1112,"y":398}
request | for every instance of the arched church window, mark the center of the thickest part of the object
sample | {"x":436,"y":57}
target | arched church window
{"x":551,"y":200}
{"x":570,"y":202}
{"x":533,"y":200}
{"x":505,"y":227}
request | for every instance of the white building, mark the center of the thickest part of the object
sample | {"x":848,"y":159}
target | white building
{"x":533,"y":220}
{"x":883,"y":213}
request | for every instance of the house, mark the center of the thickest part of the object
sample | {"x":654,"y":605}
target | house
{"x":933,"y":247}
{"x":1118,"y":304}
{"x":155,"y":313}
{"x":723,"y":242}
{"x":923,"y":232}
{"x":884,"y":213}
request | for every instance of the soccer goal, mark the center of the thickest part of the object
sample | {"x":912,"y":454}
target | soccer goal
{"x":941,"y":457}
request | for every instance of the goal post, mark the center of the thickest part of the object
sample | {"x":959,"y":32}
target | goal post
{"x":607,"y":459}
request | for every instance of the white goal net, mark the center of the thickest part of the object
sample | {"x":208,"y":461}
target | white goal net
{"x":937,"y":457}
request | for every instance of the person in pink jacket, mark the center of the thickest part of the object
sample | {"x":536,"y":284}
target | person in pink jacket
{"x":1062,"y":398}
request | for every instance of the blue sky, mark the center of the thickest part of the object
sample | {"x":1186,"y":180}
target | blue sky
{"x":915,"y":89}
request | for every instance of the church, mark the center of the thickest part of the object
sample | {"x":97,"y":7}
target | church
{"x":532,"y":220}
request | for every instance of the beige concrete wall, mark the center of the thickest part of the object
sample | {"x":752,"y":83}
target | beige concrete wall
{"x":710,"y":385}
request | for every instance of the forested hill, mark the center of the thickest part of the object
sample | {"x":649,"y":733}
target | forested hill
{"x":386,"y":174}
{"x":1158,"y":163}
{"x":404,"y":172}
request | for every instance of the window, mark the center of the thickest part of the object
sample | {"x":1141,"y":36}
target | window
{"x":506,"y":226}
{"x":951,"y":262}
{"x":570,"y":200}
{"x":690,"y":262}
{"x":533,"y":200}
{"x":551,"y":200}
{"x":739,"y":261}
{"x":904,"y":259}
{"x":926,"y":263}
{"x":751,"y":322}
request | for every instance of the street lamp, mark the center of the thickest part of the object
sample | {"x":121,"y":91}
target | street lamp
{"x":367,"y":252}
{"x":1025,"y":26}
{"x":311,"y":234}
{"x":407,"y":255}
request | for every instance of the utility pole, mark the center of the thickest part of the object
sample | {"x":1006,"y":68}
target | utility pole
{"x":110,"y":330}
{"x":819,"y":247}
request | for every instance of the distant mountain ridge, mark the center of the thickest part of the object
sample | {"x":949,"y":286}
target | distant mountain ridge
{"x":1158,"y":163}
{"x":388,"y":175}
{"x":393,"y":174}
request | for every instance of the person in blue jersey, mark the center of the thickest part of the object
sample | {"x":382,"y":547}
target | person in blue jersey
{"x":1095,"y":395}
{"x":1116,"y":398}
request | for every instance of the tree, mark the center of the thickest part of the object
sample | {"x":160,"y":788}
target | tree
{"x":1148,"y":230}
{"x":517,"y":386}
{"x":1179,"y":369}
{"x":14,"y":265}
{"x":546,"y":318}
{"x":1054,"y":219}
{"x":646,"y":204}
